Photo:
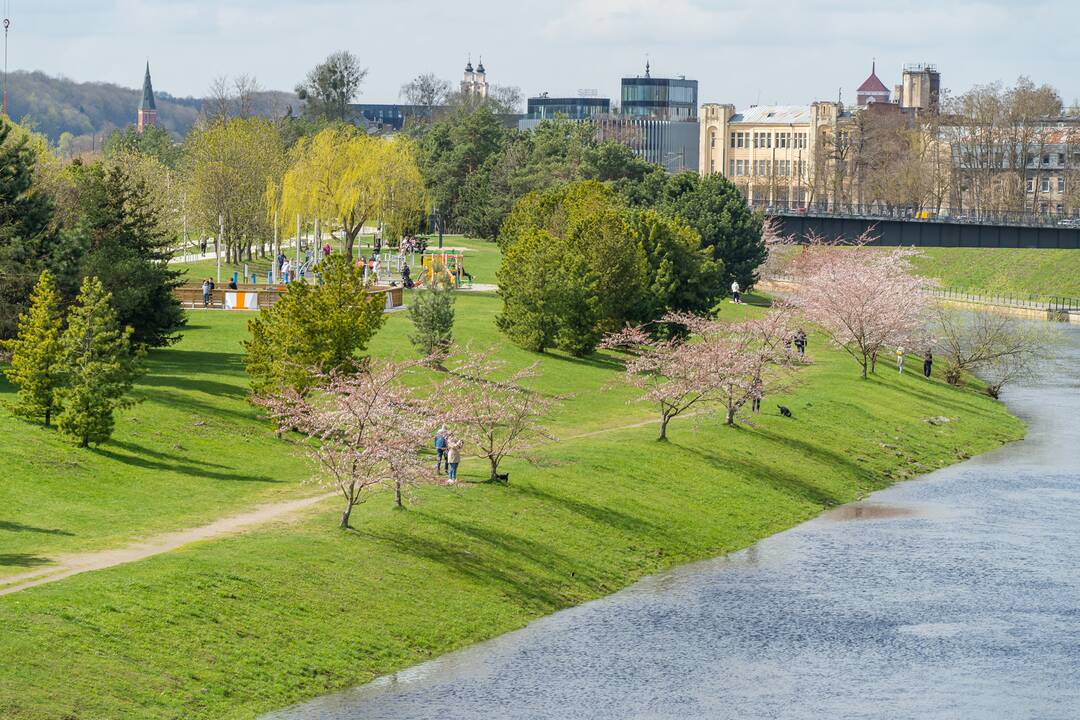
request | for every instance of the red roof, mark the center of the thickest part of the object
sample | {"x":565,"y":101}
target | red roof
{"x":872,"y":83}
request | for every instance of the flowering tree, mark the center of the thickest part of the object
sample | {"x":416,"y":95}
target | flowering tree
{"x":716,"y":366}
{"x":365,"y":430}
{"x":864,"y":299}
{"x":499,"y":417}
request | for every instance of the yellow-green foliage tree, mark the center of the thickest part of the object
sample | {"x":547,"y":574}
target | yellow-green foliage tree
{"x":350,"y":178}
{"x":312,"y":328}
{"x":228,"y":166}
{"x":34,"y":351}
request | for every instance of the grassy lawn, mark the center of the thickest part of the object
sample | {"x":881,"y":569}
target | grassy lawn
{"x":1004,"y":270}
{"x":236,"y":626}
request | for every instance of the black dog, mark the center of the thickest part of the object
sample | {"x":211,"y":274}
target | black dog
{"x":784,"y":411}
{"x":503,"y":477}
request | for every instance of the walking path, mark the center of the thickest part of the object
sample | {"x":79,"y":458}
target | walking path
{"x":69,"y":565}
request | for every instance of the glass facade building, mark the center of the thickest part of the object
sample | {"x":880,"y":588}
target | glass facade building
{"x":660,"y":98}
{"x":574,"y":108}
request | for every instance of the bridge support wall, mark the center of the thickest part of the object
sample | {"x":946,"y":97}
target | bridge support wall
{"x":927,"y":233}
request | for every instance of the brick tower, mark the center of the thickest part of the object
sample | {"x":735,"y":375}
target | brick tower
{"x":147,"y":109}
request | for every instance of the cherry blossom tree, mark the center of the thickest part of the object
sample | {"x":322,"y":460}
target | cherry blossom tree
{"x":365,"y":430}
{"x":865,"y":299}
{"x":492,"y":410}
{"x":716,"y":365}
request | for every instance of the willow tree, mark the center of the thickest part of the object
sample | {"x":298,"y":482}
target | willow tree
{"x":350,"y":178}
{"x":228,"y":168}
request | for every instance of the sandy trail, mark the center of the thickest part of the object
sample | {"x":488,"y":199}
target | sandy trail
{"x":68,"y":565}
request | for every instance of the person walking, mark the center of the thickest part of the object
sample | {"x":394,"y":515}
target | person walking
{"x":207,"y":287}
{"x":736,"y":296}
{"x":453,"y":459}
{"x":286,"y":270}
{"x":440,"y":450}
{"x":800,"y":341}
{"x":927,"y":363}
{"x":900,"y":359}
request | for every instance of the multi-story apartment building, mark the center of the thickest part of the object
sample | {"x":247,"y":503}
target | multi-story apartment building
{"x":775,"y":153}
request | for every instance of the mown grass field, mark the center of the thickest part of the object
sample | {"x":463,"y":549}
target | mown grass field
{"x":1004,"y":270}
{"x":233,"y":627}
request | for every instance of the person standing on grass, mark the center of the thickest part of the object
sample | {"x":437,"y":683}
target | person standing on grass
{"x":758,"y":393}
{"x":207,"y":286}
{"x":900,"y":359}
{"x":927,"y":363}
{"x":440,"y":450}
{"x":800,"y":341}
{"x":286,"y":269}
{"x":736,"y":296}
{"x":453,"y":458}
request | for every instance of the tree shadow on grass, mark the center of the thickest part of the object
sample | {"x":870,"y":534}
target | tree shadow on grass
{"x":511,"y":564}
{"x":12,"y":526}
{"x":198,"y":471}
{"x":22,"y":560}
{"x":173,"y":361}
{"x":788,"y":483}
{"x":164,"y":456}
{"x":181,"y":382}
{"x":604,"y":515}
{"x":594,"y":360}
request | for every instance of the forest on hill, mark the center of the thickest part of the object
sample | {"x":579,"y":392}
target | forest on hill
{"x":90,"y":111}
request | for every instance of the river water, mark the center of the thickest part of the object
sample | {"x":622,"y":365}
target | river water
{"x":956,"y":595}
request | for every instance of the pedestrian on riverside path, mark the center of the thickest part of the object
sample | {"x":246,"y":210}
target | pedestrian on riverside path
{"x":736,"y":296}
{"x":927,"y":363}
{"x":440,"y":450}
{"x":900,"y":359}
{"x":453,"y":458}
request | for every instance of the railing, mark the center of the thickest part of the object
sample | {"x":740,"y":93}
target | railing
{"x":912,"y":214}
{"x":1031,"y":301}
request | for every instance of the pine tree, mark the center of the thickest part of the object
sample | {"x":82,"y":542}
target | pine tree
{"x":98,"y":365}
{"x":34,"y":352}
{"x":432,"y":314}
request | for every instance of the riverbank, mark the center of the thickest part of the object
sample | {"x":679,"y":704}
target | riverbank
{"x":236,"y":626}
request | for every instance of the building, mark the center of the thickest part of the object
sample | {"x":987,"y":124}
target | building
{"x":872,"y":90}
{"x":659,"y":98}
{"x":671,"y":144}
{"x":388,"y":116}
{"x":921,"y":88}
{"x":147,"y":114}
{"x":774,"y":153}
{"x":543,"y":107}
{"x":474,"y":82}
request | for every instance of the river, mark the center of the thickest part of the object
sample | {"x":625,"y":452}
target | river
{"x":956,"y":595}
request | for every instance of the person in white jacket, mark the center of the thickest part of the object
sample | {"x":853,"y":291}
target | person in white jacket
{"x":736,"y":296}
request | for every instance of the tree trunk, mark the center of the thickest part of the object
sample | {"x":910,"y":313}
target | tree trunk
{"x":397,"y":493}
{"x":48,"y":416}
{"x":730,"y":416}
{"x":494,"y":469}
{"x":664,"y":419}
{"x":345,"y":516}
{"x":85,"y":441}
{"x":350,"y":239}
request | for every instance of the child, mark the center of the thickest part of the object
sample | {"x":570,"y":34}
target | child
{"x":453,"y":458}
{"x":900,"y":359}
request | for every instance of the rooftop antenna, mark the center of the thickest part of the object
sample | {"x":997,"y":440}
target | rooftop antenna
{"x":7,"y":24}
{"x":647,"y":65}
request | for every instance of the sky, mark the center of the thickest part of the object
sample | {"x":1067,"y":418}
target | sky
{"x":741,"y":51}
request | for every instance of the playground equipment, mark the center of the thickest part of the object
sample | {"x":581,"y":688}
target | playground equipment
{"x":447,"y":265}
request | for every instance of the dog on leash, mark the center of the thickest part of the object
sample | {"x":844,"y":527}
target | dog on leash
{"x":784,"y":411}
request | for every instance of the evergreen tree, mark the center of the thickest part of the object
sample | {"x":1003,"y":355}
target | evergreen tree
{"x":128,"y":249}
{"x":312,"y":327}
{"x":34,"y":353}
{"x":432,"y":314}
{"x":97,"y":364}
{"x":26,"y":234}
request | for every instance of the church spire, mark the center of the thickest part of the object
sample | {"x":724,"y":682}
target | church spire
{"x":147,"y":114}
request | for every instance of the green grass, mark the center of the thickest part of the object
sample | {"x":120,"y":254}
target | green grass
{"x":1004,"y":270}
{"x":233,"y":627}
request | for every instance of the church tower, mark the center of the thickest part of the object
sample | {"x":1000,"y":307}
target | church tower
{"x":147,"y":109}
{"x":474,"y":82}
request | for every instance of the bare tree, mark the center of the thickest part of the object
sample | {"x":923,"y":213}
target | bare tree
{"x":427,"y":90}
{"x":245,"y":88}
{"x":218,"y":100}
{"x":998,"y":346}
{"x":331,"y":85}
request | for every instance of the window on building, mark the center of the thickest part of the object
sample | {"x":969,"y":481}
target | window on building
{"x":732,"y":139}
{"x":1046,"y":159}
{"x":1061,"y":183}
{"x":1044,"y":186}
{"x":731,"y":168}
{"x":1031,"y":185}
{"x":712,"y":166}
{"x":768,"y":140}
{"x":1061,"y":158}
{"x":1060,"y":209}
{"x":712,"y":139}
{"x":742,"y":139}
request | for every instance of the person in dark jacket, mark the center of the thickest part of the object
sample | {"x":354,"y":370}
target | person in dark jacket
{"x":927,"y":363}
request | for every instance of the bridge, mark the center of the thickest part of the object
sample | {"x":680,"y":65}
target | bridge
{"x":906,"y":226}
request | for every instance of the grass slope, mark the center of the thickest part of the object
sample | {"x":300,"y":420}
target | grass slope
{"x":1004,"y":270}
{"x":233,"y":627}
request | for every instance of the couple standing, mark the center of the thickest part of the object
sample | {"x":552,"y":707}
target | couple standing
{"x":447,"y":450}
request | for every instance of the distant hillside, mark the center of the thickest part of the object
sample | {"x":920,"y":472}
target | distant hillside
{"x":58,"y":105}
